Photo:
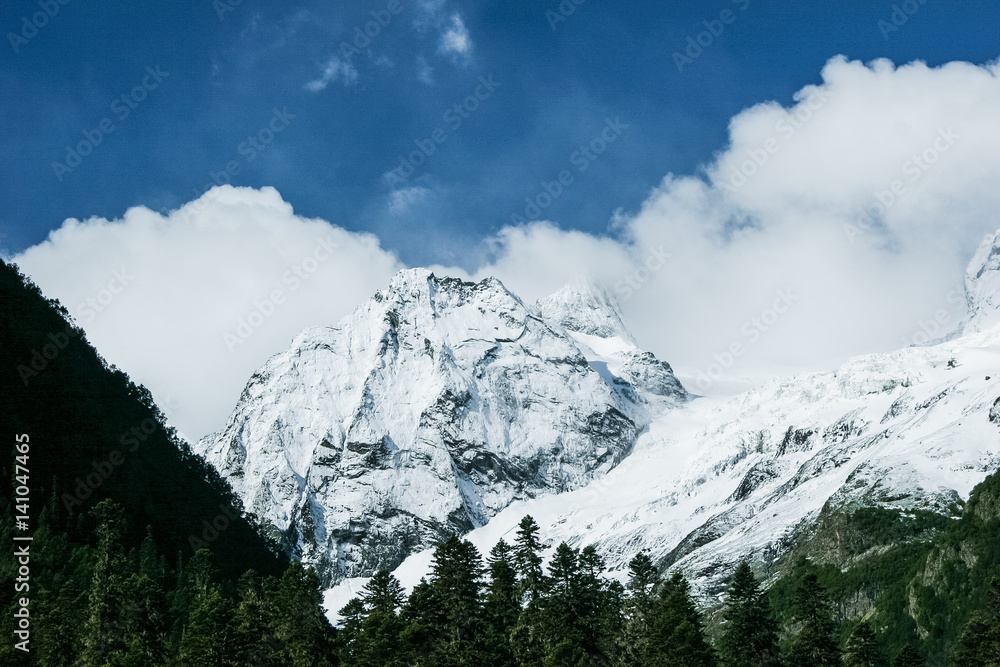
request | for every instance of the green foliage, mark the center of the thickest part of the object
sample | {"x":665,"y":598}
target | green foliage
{"x":452,"y":628}
{"x":815,"y":644}
{"x":908,"y":656}
{"x":114,"y":490}
{"x":528,"y":558}
{"x":979,"y":644}
{"x":501,"y":607}
{"x":749,"y":636}
{"x":676,"y":637}
{"x":863,"y":648}
{"x":638,"y":607}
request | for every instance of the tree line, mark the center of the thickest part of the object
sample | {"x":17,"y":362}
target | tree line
{"x":512,"y":611}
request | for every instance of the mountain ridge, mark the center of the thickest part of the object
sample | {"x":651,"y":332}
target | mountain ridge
{"x":431,"y":407}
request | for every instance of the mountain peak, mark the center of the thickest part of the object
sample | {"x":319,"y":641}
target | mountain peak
{"x":982,"y":286}
{"x":428,"y":410}
{"x":585,"y":307}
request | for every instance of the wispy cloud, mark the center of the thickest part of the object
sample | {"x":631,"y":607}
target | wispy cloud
{"x":334,"y":69}
{"x":400,"y":201}
{"x":455,"y":39}
{"x":425,"y":73}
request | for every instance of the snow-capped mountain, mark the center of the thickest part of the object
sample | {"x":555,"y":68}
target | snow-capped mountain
{"x":429,"y":409}
{"x":982,"y":286}
{"x":722,"y":479}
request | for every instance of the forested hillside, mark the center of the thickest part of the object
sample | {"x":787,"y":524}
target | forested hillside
{"x":117,"y":507}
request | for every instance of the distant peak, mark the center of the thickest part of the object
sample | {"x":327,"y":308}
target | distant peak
{"x":982,"y":286}
{"x":586,"y":307}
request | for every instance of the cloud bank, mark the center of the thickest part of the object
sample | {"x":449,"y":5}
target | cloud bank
{"x":863,"y":200}
{"x":192,"y":303}
{"x":838,"y":225}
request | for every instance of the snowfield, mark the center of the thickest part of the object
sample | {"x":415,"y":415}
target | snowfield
{"x":718,"y":480}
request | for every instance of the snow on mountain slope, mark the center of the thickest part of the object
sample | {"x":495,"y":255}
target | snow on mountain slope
{"x":982,"y":286}
{"x":428,"y":410}
{"x":592,"y":318}
{"x":722,"y":479}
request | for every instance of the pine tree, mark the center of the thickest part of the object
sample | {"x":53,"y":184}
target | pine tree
{"x":456,"y":585}
{"x":423,"y":617}
{"x":143,"y":622}
{"x":639,"y":605}
{"x":815,"y":645}
{"x":526,"y":638}
{"x":204,"y":615}
{"x":979,"y":645}
{"x":383,"y":592}
{"x":207,"y":640}
{"x":528,"y":559}
{"x":676,"y":638}
{"x":253,"y":619}
{"x":305,"y":635}
{"x":563,"y":614}
{"x":501,"y":606}
{"x":352,"y":616}
{"x":151,"y":563}
{"x":863,"y":649}
{"x":102,"y":637}
{"x":750,"y":634}
{"x":600,"y":609}
{"x":909,"y":656}
{"x":60,"y":586}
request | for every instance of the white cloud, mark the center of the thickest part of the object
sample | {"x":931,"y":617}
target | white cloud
{"x":693,"y":267}
{"x":455,"y":39}
{"x":793,"y":223}
{"x":428,"y":14}
{"x":400,"y":201}
{"x":425,"y":73}
{"x":333,"y":70}
{"x":192,"y":277}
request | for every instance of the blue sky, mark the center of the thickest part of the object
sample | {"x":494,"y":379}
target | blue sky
{"x":220,"y":81}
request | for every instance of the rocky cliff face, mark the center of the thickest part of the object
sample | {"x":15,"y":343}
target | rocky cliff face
{"x":428,"y":410}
